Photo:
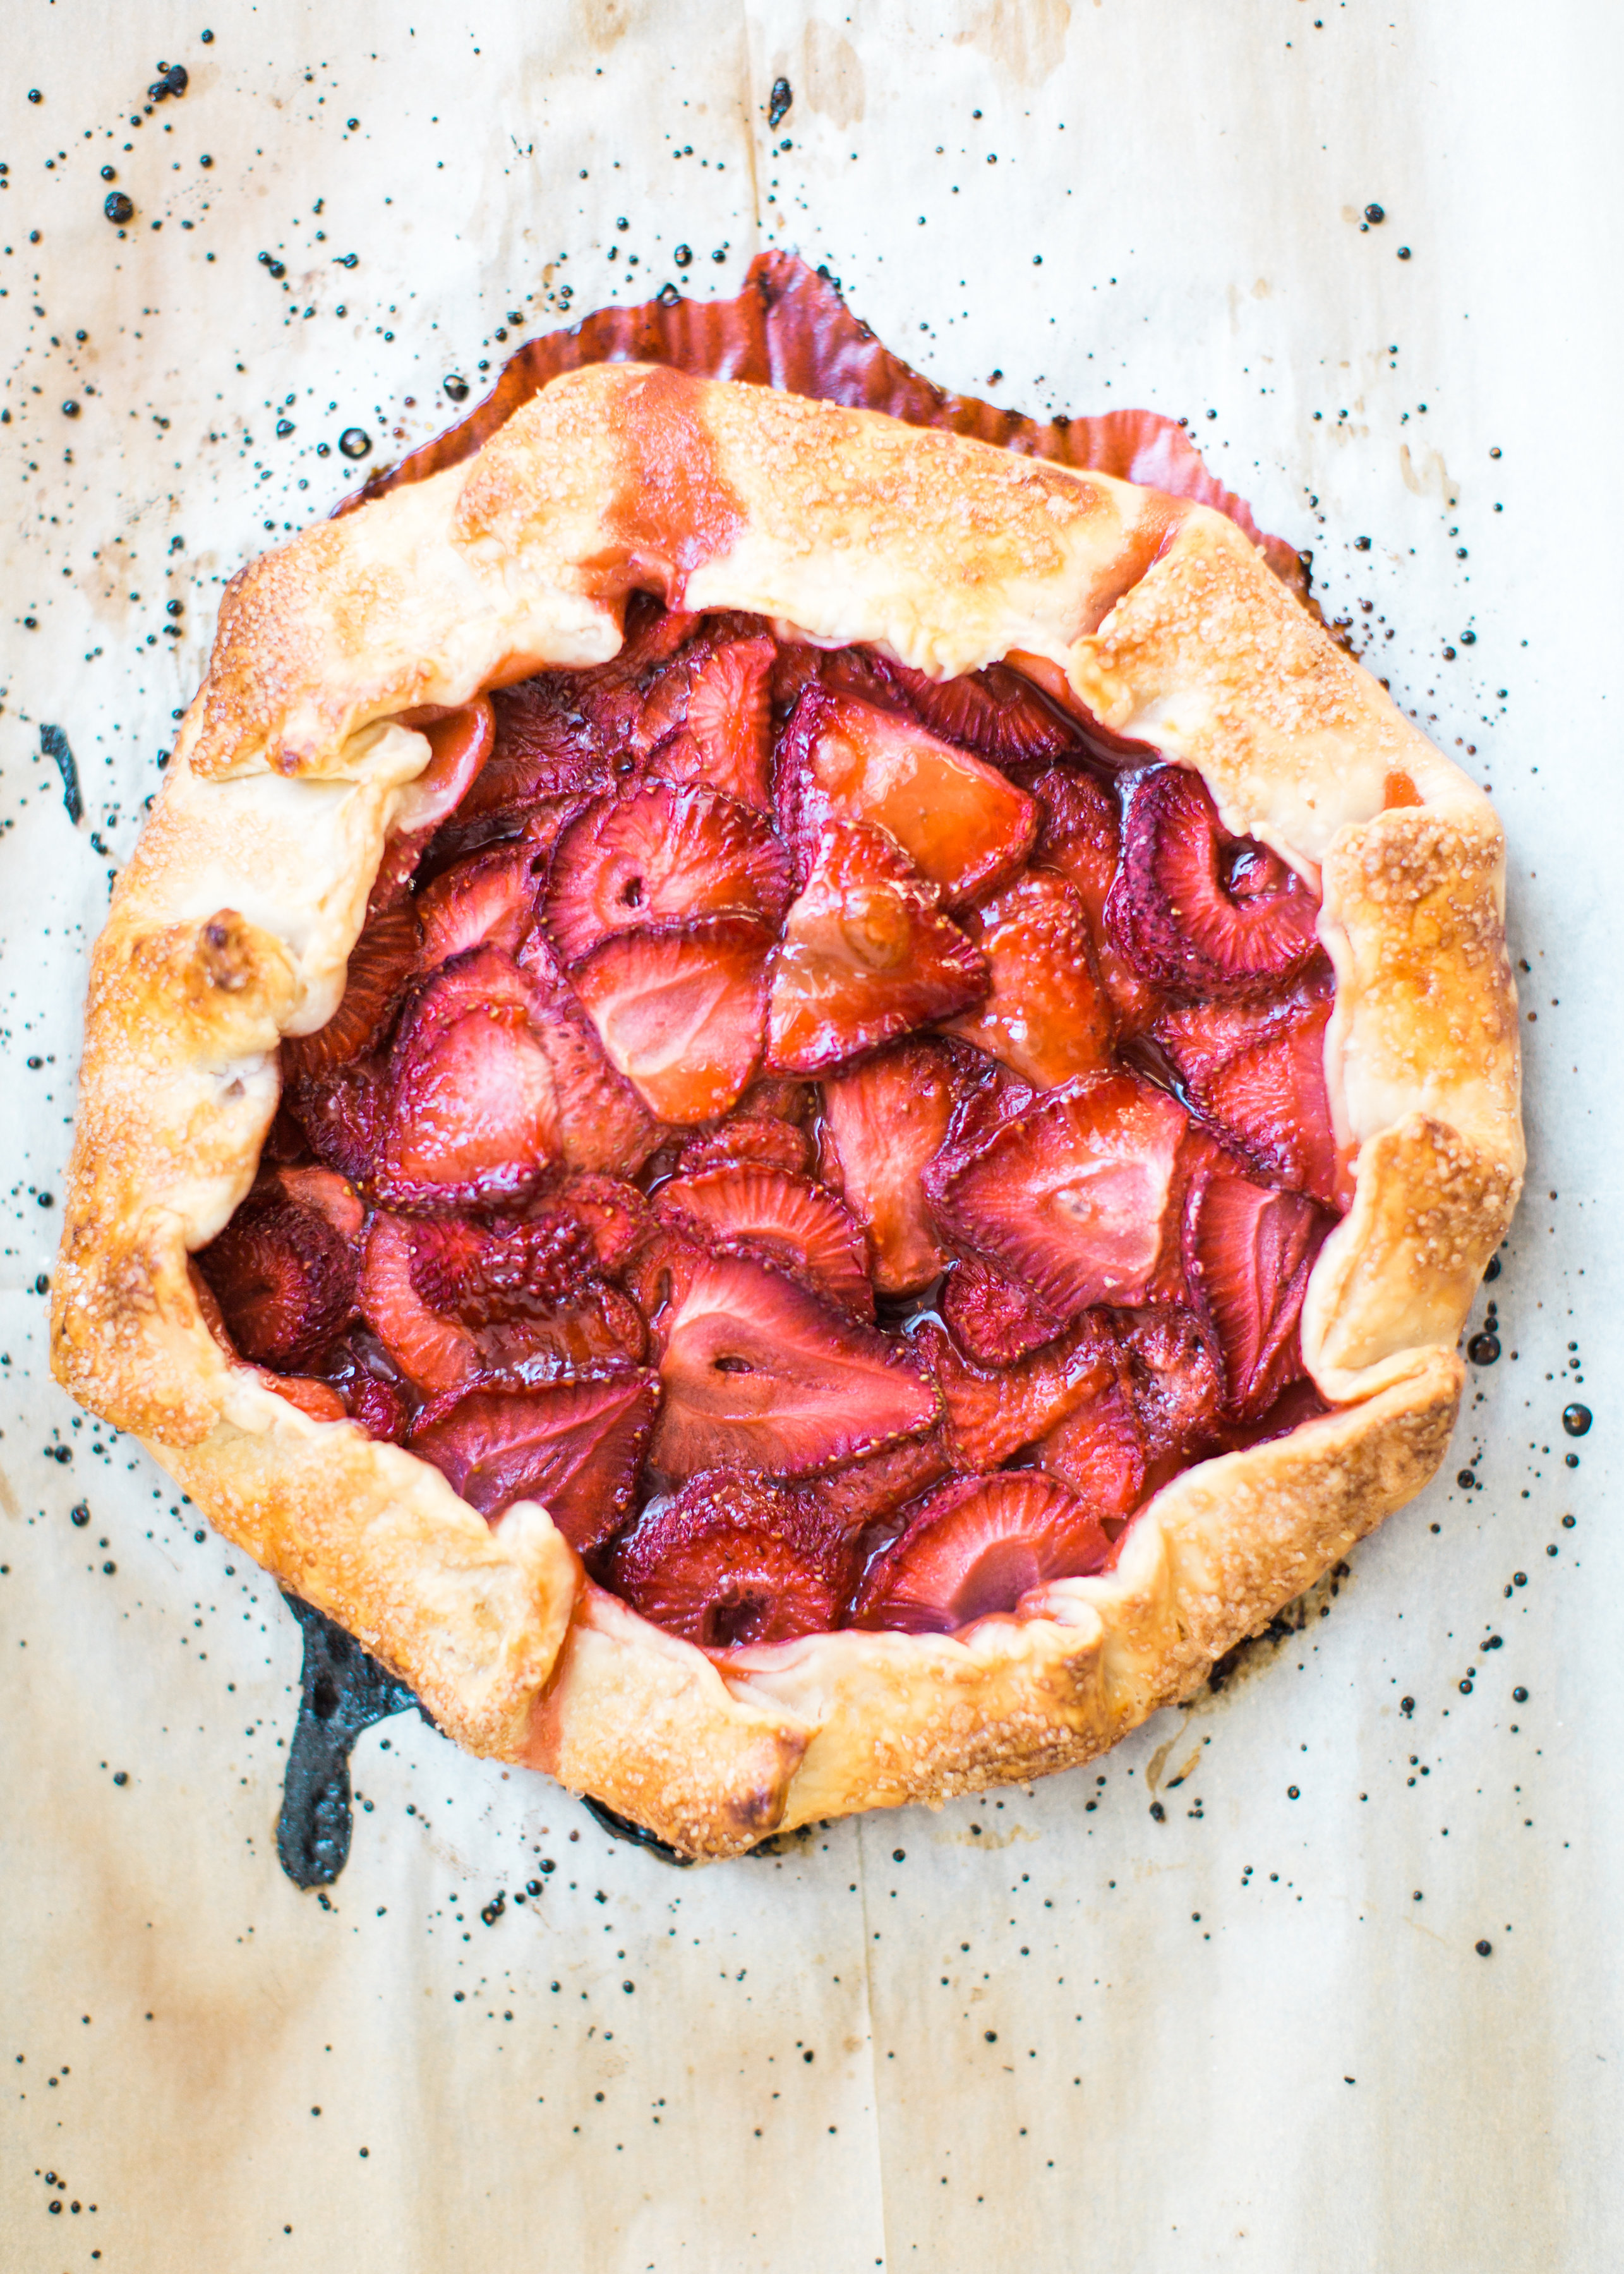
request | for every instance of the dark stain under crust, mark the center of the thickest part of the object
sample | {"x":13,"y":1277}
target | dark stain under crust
{"x":342,"y":1692}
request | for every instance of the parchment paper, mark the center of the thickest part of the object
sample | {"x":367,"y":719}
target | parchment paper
{"x":1220,"y":2003}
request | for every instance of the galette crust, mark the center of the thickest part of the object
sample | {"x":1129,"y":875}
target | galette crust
{"x":233,"y":922}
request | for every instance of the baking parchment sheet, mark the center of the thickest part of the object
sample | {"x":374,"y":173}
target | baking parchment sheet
{"x":1318,"y":1973}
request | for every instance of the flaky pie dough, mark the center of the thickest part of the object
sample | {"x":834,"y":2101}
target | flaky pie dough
{"x":233,"y":922}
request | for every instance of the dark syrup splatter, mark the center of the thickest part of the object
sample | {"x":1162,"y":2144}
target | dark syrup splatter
{"x":342,"y":1692}
{"x":55,"y":745}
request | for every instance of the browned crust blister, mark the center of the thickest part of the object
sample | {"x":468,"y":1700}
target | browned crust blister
{"x":232,"y":924}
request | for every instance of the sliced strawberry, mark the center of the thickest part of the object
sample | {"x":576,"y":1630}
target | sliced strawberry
{"x":730,"y":1561}
{"x":326,"y":1194}
{"x":544,"y":748}
{"x":374,"y":1391}
{"x":603,"y":1124}
{"x":991,"y":1318}
{"x":973,"y":1547}
{"x":284,"y":1276}
{"x":866,"y":957}
{"x":459,"y":742}
{"x":1081,"y":838}
{"x":381,"y":963}
{"x":613,"y":1215}
{"x":572,"y":1445}
{"x":1249,"y":1250}
{"x":883,"y":1121}
{"x":761,"y":1374}
{"x":657,"y":857}
{"x":342,"y":1113}
{"x":488,"y":898}
{"x":434,"y":1353}
{"x":474,"y":1112}
{"x":680,"y":1013}
{"x":1099,"y":1452}
{"x":1197,"y":910}
{"x":788,"y":1219}
{"x":991,"y":1412}
{"x":989,"y":1095}
{"x":962,"y":824}
{"x":1071,"y":1197}
{"x":995,"y":711}
{"x":451,"y":1300}
{"x":1045,"y":1014}
{"x":709,"y":719}
{"x":864,"y":1492}
{"x":317,"y":1398}
{"x":759,"y":1143}
{"x":1257,"y":1076}
{"x":1174,"y":1386}
{"x":495,"y":1271}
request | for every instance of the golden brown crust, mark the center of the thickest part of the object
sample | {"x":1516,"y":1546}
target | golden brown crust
{"x":232,"y":926}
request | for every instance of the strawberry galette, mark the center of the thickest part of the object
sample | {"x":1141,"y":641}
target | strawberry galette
{"x":797,"y":1106}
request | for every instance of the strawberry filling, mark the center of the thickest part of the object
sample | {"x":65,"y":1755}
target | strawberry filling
{"x":840,"y":1141}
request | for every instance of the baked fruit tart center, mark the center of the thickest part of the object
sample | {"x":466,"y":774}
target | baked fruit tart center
{"x":841,"y":1141}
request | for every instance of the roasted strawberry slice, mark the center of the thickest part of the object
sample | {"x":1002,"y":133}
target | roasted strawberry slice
{"x":459,"y":742}
{"x":991,"y":1412}
{"x":613,"y":1215}
{"x":867,"y":956}
{"x":680,"y":1013}
{"x":453,"y":1300}
{"x":502,"y":1269}
{"x":343,"y":1114}
{"x":658,"y":855}
{"x":603,"y":1124}
{"x":544,"y":748}
{"x":473,"y":1113}
{"x":489,"y":898}
{"x":883,"y":1121}
{"x":995,"y":711}
{"x":761,"y":1374}
{"x":708,"y":720}
{"x":1099,"y":1452}
{"x":313,"y":1396}
{"x":381,"y":963}
{"x":1071,"y":1197}
{"x":991,"y":1318}
{"x":1174,"y":1385}
{"x":973,"y":1547}
{"x":374,"y":1391}
{"x":326,"y":1195}
{"x":961,"y":823}
{"x":1081,"y":838}
{"x":750,"y":1139}
{"x":1046,"y":1014}
{"x":1249,"y":1250}
{"x":1196,"y":910}
{"x":283,"y":1275}
{"x":730,"y":1561}
{"x":1257,"y":1075}
{"x":863,"y":1492}
{"x":788,"y":1219}
{"x":572,"y":1445}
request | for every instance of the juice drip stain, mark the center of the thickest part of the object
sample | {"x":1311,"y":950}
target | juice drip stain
{"x":342,"y":1692}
